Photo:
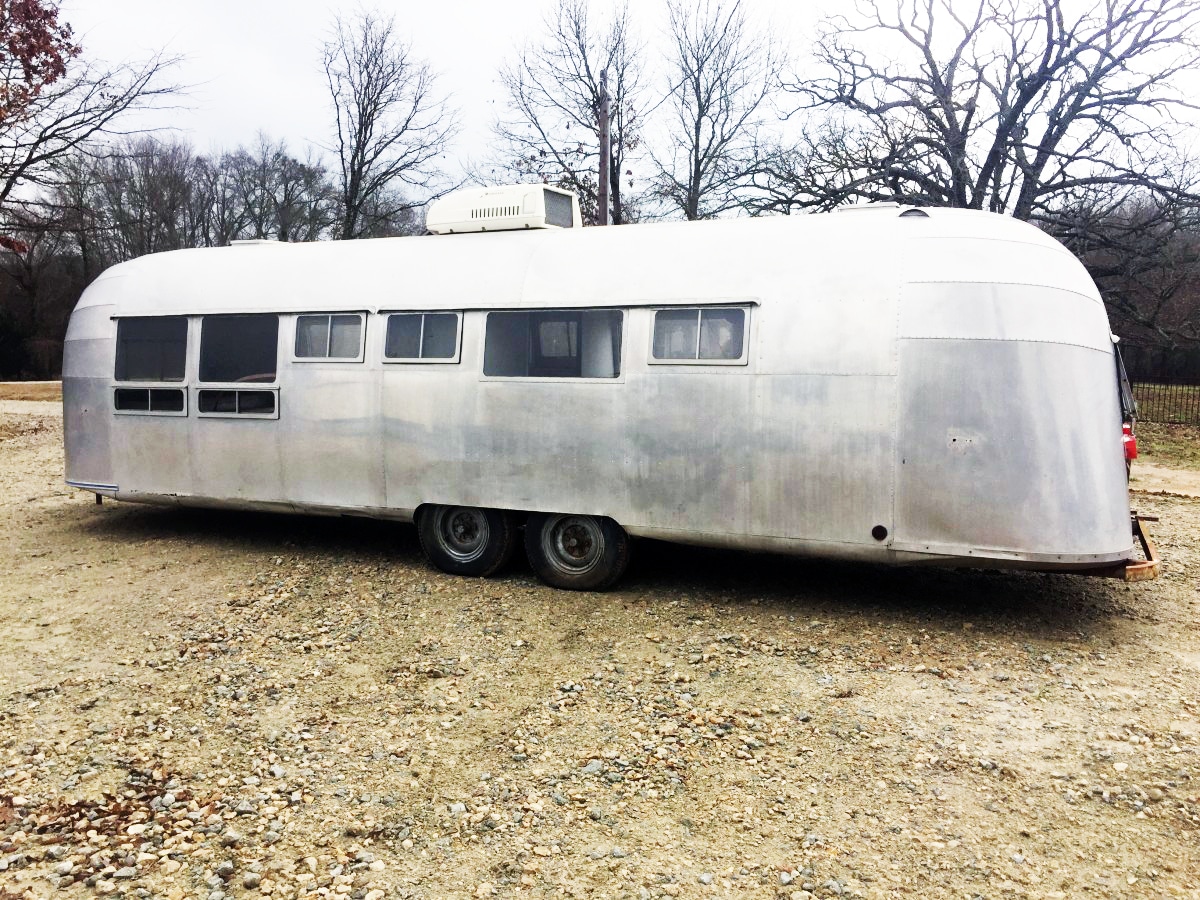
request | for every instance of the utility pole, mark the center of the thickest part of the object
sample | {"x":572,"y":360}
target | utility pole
{"x":602,"y":189}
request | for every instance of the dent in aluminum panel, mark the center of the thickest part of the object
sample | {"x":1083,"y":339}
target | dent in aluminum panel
{"x":1010,"y":446}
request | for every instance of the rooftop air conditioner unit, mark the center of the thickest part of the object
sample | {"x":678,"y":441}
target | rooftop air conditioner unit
{"x":512,"y":207}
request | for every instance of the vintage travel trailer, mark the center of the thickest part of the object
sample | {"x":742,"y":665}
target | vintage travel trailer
{"x":884,"y":383}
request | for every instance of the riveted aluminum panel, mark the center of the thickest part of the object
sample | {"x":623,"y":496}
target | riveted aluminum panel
{"x":1010,"y":448}
{"x":1009,"y":312}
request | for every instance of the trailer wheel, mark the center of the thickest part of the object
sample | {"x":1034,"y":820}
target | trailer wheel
{"x":579,"y":553}
{"x":467,"y":540}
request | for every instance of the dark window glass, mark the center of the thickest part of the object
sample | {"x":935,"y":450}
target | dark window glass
{"x":441,"y":336}
{"x":403,"y":337}
{"x":559,"y":209}
{"x":699,"y":334}
{"x":554,"y":344}
{"x":151,"y":348}
{"x":137,"y":399}
{"x":166,"y":400}
{"x":218,"y":401}
{"x":239,"y":348}
{"x":247,"y":403}
{"x":256,"y":402}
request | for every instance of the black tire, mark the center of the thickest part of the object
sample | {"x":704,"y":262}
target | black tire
{"x":578,"y":553}
{"x":467,"y":540}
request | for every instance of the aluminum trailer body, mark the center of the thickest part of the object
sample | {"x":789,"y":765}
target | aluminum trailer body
{"x":910,"y":386}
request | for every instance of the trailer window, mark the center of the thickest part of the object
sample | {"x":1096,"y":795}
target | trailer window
{"x":329,"y":337}
{"x":237,"y":403}
{"x":699,"y":335}
{"x":553,"y":344}
{"x":151,"y":348}
{"x":150,"y":400}
{"x":422,"y":337}
{"x":239,"y":348}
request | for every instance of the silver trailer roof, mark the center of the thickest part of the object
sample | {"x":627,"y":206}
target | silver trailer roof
{"x":729,"y":260}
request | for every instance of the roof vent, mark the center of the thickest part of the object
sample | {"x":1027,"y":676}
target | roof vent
{"x":513,"y":207}
{"x":914,"y":214}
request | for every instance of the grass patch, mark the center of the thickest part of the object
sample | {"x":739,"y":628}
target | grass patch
{"x":1169,"y":445}
{"x":30,"y":390}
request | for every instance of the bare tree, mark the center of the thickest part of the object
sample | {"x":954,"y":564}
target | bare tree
{"x":723,"y":73}
{"x":1017,"y":106}
{"x":1144,"y":254}
{"x":390,"y":124}
{"x":86,"y":104}
{"x":551,"y":129}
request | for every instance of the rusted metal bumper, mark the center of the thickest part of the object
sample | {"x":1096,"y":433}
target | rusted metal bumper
{"x":1138,"y":569}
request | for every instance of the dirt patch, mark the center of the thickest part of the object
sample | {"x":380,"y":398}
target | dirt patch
{"x":1149,"y":478}
{"x":31,"y":390}
{"x":200,"y":703}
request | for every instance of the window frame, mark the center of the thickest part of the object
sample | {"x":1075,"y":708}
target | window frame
{"x":200,"y":386}
{"x":578,"y":311}
{"x":362,"y":337}
{"x":148,"y":387}
{"x":700,"y":309}
{"x":235,"y":387}
{"x":181,"y":385}
{"x":458,"y":314}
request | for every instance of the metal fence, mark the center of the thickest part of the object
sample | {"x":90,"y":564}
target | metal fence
{"x":1166,"y":383}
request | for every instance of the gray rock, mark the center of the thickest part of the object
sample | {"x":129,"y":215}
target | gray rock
{"x":595,"y":767}
{"x":458,"y":809}
{"x":251,"y":880}
{"x":230,"y":839}
{"x":64,"y":867}
{"x":835,"y":886}
{"x":271,"y":837}
{"x":277,"y":771}
{"x":705,"y":878}
{"x":125,"y":873}
{"x":595,"y":814}
{"x":225,"y":870}
{"x":245,"y":808}
{"x":618,"y":853}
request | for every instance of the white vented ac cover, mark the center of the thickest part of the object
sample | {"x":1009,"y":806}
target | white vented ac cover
{"x":512,"y":207}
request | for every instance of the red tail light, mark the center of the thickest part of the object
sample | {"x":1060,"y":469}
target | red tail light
{"x":1130,"y":441}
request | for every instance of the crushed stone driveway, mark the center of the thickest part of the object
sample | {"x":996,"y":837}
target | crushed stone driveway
{"x":216,"y":705}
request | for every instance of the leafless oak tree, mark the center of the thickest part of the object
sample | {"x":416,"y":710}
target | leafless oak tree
{"x":1017,"y":106}
{"x":391,"y":125}
{"x":551,"y":128}
{"x":723,"y":73}
{"x":89,"y":103}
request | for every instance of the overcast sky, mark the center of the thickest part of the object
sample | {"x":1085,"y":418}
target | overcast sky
{"x":255,"y":65}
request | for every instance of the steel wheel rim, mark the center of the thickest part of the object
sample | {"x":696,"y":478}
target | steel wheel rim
{"x":462,"y":532}
{"x":573,"y":545}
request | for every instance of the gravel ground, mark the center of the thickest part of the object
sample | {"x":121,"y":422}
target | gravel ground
{"x":226,"y":705}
